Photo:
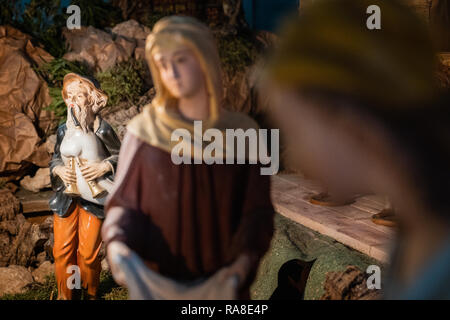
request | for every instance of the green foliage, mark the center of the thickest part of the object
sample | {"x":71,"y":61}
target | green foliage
{"x":57,"y":105}
{"x":98,"y":13}
{"x":124,"y":81}
{"x":53,"y":73}
{"x":236,"y":52}
{"x":44,"y":20}
{"x":9,"y":10}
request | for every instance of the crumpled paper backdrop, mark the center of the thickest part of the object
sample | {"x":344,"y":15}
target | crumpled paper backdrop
{"x":23,"y":95}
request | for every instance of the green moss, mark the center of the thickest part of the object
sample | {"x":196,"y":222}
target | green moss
{"x":280,"y":251}
{"x":294,"y":241}
{"x":108,"y":290}
{"x":124,"y":81}
{"x":116,"y":294}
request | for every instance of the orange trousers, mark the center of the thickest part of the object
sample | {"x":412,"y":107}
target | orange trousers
{"x":77,"y":243}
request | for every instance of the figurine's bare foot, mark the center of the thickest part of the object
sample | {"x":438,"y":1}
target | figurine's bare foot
{"x":327,"y":200}
{"x":385,"y":217}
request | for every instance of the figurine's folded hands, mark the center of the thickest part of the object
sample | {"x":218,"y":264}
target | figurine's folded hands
{"x":92,"y":171}
{"x":143,"y":283}
{"x":240,"y":268}
{"x":66,"y":174}
{"x":114,"y":249}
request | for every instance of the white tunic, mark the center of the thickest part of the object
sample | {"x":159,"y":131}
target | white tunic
{"x":77,"y":143}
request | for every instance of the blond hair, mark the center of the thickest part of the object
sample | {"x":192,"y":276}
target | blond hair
{"x":175,"y":30}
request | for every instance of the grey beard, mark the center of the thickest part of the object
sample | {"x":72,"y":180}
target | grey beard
{"x":84,"y":116}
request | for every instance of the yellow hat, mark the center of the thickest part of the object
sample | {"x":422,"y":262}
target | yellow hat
{"x":330,"y":48}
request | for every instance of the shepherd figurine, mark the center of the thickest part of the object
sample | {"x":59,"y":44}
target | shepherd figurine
{"x":82,"y":171}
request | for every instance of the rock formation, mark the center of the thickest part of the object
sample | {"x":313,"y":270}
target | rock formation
{"x":14,"y":279}
{"x":41,"y":180}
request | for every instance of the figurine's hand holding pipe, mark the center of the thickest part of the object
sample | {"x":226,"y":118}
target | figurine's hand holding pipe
{"x":92,"y":171}
{"x":66,"y":174}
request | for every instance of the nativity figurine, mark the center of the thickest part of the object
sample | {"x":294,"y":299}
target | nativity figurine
{"x":82,"y":171}
{"x":191,"y":224}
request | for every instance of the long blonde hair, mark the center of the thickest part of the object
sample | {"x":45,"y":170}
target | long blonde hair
{"x":176,"y":30}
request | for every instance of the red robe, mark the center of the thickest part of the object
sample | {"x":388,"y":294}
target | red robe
{"x":187,"y":221}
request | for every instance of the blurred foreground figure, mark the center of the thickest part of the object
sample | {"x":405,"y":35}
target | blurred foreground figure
{"x":186,"y":222}
{"x":146,"y":284}
{"x":440,"y":22}
{"x":361,"y":108}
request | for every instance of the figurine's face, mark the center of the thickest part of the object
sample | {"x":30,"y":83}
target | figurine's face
{"x":77,"y":101}
{"x":180,"y":70}
{"x":77,"y":94}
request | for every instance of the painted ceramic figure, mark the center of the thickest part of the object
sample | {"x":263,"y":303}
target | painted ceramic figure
{"x":362,"y":126}
{"x":186,"y":222}
{"x":82,"y":171}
